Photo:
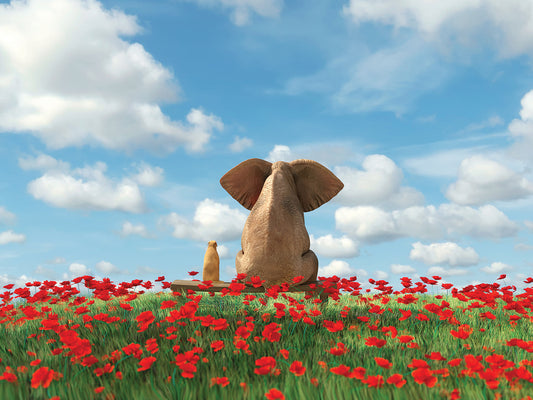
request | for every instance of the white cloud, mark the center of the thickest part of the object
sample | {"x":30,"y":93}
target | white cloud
{"x":496,"y":268}
{"x":326,"y":153}
{"x":43,"y":162}
{"x":339,"y":268}
{"x":87,"y":189}
{"x":379,"y":183}
{"x":401,"y":269}
{"x":223,"y":251}
{"x":380,"y":275}
{"x":508,"y":26}
{"x":129,"y":229}
{"x":240,"y":144}
{"x":387,"y":79}
{"x":77,"y":269}
{"x":280,"y":153}
{"x":485,"y":222}
{"x":444,"y":253}
{"x":440,"y":271}
{"x":11,"y":237}
{"x":212,"y":221}
{"x":442,"y":164}
{"x":523,"y":247}
{"x":366,"y":223}
{"x":242,"y":10}
{"x":490,"y":122}
{"x":106,"y":268}
{"x":73,"y":84}
{"x":148,"y":176}
{"x":328,"y":246}
{"x":481,"y":180}
{"x":6,"y":217}
{"x":373,"y":225}
{"x":522,"y":129}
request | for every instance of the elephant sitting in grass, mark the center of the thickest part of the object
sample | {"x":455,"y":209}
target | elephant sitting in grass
{"x":275,"y":243}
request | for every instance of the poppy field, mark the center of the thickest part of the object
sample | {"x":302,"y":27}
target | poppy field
{"x":429,"y":340}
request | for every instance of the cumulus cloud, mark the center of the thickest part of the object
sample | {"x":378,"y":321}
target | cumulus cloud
{"x":366,"y":223}
{"x":380,"y":275}
{"x":373,"y":225}
{"x":496,"y":268}
{"x":482,"y":180}
{"x":129,"y":229}
{"x":401,"y":269}
{"x":440,"y":164}
{"x":484,"y":222}
{"x":508,"y":26}
{"x":441,"y":271}
{"x":11,"y":237}
{"x":73,"y":84}
{"x":240,"y":144}
{"x":280,"y":153}
{"x":87,"y":189}
{"x":378,"y":183}
{"x":77,"y":269}
{"x":242,"y":10}
{"x":43,"y":162}
{"x":328,"y":246}
{"x":326,"y":153}
{"x":444,"y":253}
{"x":148,"y":175}
{"x":522,"y":129}
{"x":106,"y":268}
{"x":223,"y":251}
{"x":6,"y":217}
{"x":339,"y":268}
{"x":211,"y":221}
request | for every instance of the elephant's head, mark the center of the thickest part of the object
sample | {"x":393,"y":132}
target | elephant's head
{"x":314,"y":183}
{"x":275,"y":243}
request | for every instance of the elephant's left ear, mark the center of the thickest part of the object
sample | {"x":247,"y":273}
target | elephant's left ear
{"x":315,"y":184}
{"x":245,"y":181}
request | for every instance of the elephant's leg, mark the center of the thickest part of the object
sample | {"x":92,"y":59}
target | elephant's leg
{"x":309,"y":267}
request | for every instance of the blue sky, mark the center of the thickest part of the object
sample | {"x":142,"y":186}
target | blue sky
{"x":118,"y":118}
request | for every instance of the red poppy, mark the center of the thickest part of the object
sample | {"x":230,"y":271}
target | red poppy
{"x":374,"y":341}
{"x":274,"y":394}
{"x":297,"y":368}
{"x":383,"y":362}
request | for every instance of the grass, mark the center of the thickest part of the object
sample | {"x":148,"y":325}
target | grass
{"x":361,"y":347}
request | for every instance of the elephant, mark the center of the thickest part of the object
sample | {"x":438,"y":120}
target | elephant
{"x":275,"y":242}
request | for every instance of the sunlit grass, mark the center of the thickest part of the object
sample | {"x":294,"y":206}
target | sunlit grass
{"x":468,"y":344}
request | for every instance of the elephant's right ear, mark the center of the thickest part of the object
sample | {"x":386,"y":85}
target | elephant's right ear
{"x":245,"y":181}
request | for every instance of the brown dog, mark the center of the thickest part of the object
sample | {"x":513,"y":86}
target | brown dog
{"x":211,"y":263}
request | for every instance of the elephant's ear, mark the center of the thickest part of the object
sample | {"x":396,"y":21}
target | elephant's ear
{"x":315,"y":184}
{"x":245,"y":181}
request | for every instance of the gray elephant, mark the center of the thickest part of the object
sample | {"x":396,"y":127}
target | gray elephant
{"x":275,"y":243}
